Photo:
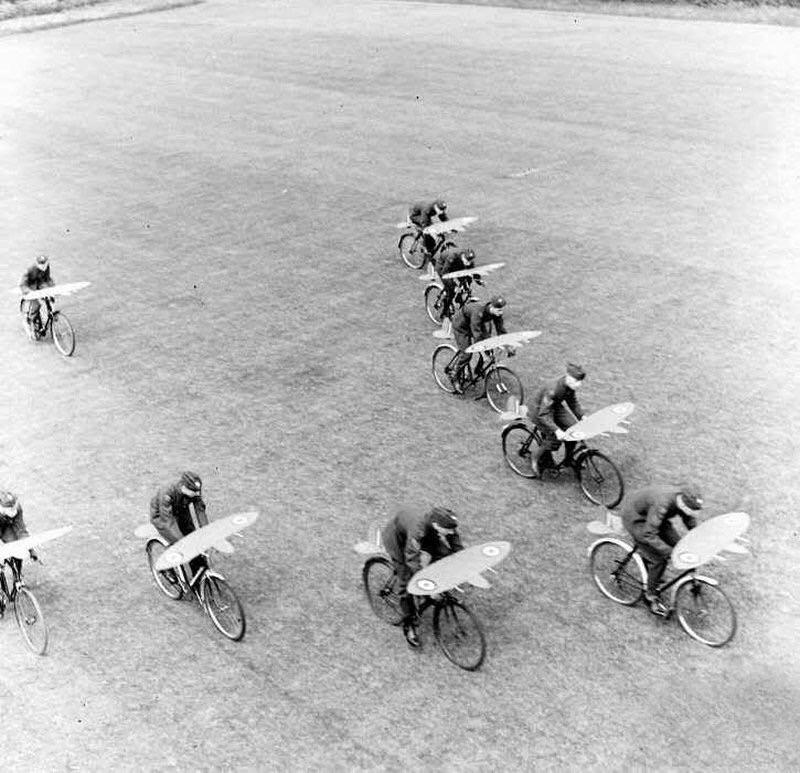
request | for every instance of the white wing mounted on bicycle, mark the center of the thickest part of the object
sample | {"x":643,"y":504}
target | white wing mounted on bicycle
{"x":20,"y":548}
{"x":477,"y":271}
{"x":55,"y":291}
{"x":601,"y":422}
{"x":148,"y":531}
{"x":513,"y":340}
{"x":448,"y":226}
{"x":192,"y":545}
{"x":706,"y":541}
{"x":465,"y":566}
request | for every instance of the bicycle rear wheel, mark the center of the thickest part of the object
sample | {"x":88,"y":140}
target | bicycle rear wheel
{"x":167,"y":581}
{"x":63,"y":334}
{"x":459,"y":634}
{"x":600,"y":480}
{"x":30,"y":621}
{"x":434,"y":303}
{"x":442,"y":358}
{"x":617,"y":575}
{"x":502,"y":383}
{"x":517,"y":443}
{"x":411,"y":250}
{"x":380,"y":585}
{"x":705,"y":612}
{"x":223,"y":606}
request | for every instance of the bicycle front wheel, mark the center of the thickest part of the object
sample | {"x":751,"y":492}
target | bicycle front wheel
{"x":600,"y":480}
{"x":705,"y":612}
{"x":616,"y":574}
{"x":459,"y":634}
{"x":412,"y":251}
{"x":63,"y":334}
{"x":501,"y":384}
{"x":434,"y":303}
{"x":223,"y":606}
{"x":443,"y":356}
{"x":380,"y":585}
{"x":167,"y":580}
{"x":518,"y":441}
{"x":30,"y":621}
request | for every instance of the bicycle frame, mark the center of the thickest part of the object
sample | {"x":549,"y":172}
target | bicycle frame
{"x":18,"y":582}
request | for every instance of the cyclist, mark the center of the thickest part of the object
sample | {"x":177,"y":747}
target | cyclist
{"x":177,"y":510}
{"x":647,"y":515}
{"x":449,"y":260}
{"x":553,"y":409}
{"x":36,"y":277}
{"x":12,"y":524}
{"x":473,"y":323}
{"x":408,"y":534}
{"x":423,"y":214}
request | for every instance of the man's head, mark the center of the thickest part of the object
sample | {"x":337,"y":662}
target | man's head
{"x":468,"y":257}
{"x":440,"y":206}
{"x":496,"y":305}
{"x":8,"y":504}
{"x":575,"y":376}
{"x":42,"y":262}
{"x":444,"y":521}
{"x":690,"y":499}
{"x":191,"y":485}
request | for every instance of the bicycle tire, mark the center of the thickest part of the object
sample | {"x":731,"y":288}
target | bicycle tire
{"x":412,"y":251}
{"x":167,"y":581}
{"x":501,"y":383}
{"x":442,"y":357}
{"x":600,"y":479}
{"x":459,"y":634}
{"x":63,"y":334}
{"x":380,"y":585}
{"x":517,"y":439}
{"x":223,"y":606}
{"x":28,"y":613}
{"x":694,"y":602}
{"x":434,"y":303}
{"x":623,"y":584}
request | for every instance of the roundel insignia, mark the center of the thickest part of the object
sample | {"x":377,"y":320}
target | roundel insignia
{"x":578,"y":435}
{"x":174,"y":555}
{"x":619,"y":408}
{"x":239,"y":519}
{"x":426,"y":585}
{"x":491,"y":550}
{"x":689,"y":558}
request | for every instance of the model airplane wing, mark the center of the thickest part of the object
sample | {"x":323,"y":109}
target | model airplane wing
{"x":211,"y":536}
{"x":20,"y":548}
{"x":465,"y":566}
{"x":514,"y":340}
{"x":605,"y":420}
{"x":710,"y":538}
{"x":478,"y":270}
{"x":55,"y":291}
{"x":447,"y":226}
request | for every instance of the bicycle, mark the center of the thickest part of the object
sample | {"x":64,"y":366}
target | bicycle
{"x":435,"y":297}
{"x":599,"y":478}
{"x":457,"y":630}
{"x":49,"y":321}
{"x":499,"y":382}
{"x":412,"y":248}
{"x":209,"y":587}
{"x":27,"y":611}
{"x":702,"y":608}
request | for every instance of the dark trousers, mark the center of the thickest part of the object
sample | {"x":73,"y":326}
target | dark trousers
{"x":551,"y":443}
{"x":655,"y":559}
{"x":407,"y":605}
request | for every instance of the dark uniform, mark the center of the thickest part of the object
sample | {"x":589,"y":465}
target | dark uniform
{"x":471,"y":324}
{"x":35,"y":278}
{"x":404,"y":537}
{"x":448,"y":260}
{"x":171,"y":514}
{"x":423,"y":214}
{"x":554,"y":406}
{"x":12,"y":528}
{"x":646,"y":514}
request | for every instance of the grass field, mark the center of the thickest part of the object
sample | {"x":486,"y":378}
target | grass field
{"x":228,"y":177}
